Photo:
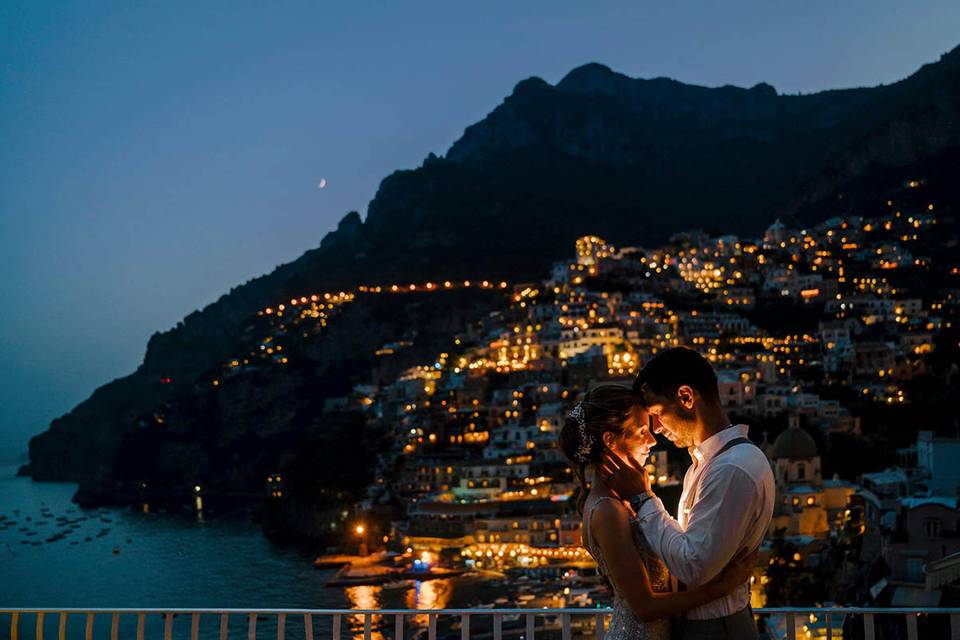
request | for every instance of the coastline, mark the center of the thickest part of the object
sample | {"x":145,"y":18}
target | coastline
{"x":176,"y":560}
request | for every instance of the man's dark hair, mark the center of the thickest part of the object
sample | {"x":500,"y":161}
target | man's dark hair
{"x":669,"y":370}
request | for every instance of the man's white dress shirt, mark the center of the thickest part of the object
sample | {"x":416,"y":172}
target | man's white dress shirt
{"x":726,"y":504}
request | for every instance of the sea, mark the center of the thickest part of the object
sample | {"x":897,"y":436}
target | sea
{"x":54,"y":554}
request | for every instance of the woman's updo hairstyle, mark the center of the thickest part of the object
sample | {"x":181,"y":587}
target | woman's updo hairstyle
{"x":605,"y":408}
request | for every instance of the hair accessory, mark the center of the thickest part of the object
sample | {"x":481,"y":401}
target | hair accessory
{"x":586,"y":439}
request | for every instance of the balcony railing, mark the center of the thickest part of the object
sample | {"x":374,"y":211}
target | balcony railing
{"x":409,"y":624}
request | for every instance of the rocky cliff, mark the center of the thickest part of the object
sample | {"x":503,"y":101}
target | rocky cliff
{"x":598,"y":152}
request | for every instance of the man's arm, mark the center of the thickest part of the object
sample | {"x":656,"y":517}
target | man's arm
{"x":629,"y":574}
{"x":716,"y":525}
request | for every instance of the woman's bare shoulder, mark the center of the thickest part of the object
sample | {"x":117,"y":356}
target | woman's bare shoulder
{"x":608,"y":508}
{"x":610,"y":527}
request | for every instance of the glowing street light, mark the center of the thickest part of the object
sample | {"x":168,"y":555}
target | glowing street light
{"x":361,"y":531}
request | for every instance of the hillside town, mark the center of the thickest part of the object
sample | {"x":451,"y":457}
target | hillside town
{"x":355,"y":322}
{"x":806,"y":328}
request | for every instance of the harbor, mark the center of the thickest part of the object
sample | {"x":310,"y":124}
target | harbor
{"x":144,"y":559}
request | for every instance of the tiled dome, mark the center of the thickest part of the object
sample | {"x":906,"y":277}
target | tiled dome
{"x":794,"y":443}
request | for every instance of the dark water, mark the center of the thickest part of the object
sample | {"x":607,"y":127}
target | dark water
{"x":122,"y":558}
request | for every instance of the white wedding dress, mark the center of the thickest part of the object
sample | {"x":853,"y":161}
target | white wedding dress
{"x":624,"y":625}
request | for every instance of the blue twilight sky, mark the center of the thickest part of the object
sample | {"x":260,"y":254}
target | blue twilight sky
{"x":153,"y":154}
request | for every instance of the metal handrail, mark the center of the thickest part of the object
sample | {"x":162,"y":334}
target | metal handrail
{"x":472,"y":611}
{"x":791,"y":617}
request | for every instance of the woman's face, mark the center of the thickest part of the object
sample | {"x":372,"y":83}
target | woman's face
{"x":636,"y":439}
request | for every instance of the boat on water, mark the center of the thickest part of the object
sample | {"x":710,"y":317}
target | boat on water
{"x":330,"y":564}
{"x":582,"y":596}
{"x":351,"y":577}
{"x":433,"y":573}
{"x":398,"y":585}
{"x":339,"y":560}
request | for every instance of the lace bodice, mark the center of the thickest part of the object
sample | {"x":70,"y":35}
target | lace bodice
{"x":625,"y":625}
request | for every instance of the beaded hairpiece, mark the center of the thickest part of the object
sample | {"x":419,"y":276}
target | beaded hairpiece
{"x":586,"y":439}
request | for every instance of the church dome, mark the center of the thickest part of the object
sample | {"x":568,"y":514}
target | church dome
{"x":795,"y":444}
{"x":775,"y":233}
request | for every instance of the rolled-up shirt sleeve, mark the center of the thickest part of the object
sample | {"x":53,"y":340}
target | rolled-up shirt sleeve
{"x":717,"y":525}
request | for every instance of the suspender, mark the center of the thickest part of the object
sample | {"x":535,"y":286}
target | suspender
{"x":732,"y":444}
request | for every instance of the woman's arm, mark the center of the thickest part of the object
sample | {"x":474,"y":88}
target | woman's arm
{"x":630,"y":577}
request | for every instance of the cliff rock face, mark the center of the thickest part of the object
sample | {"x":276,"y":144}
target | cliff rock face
{"x":228,"y":427}
{"x":909,"y":128}
{"x":599,"y":152}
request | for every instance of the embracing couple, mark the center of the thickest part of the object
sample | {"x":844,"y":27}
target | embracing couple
{"x":687,"y":577}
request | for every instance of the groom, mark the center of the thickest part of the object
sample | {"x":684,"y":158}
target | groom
{"x":728,"y":491}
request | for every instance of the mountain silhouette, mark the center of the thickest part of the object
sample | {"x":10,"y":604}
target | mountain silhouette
{"x":634,"y":160}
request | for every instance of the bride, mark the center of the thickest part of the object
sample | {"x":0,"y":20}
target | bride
{"x":609,"y":417}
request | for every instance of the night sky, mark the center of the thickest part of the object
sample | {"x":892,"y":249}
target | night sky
{"x":155,"y":155}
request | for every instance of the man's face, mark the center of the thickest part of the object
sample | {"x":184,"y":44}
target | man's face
{"x":670,"y":417}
